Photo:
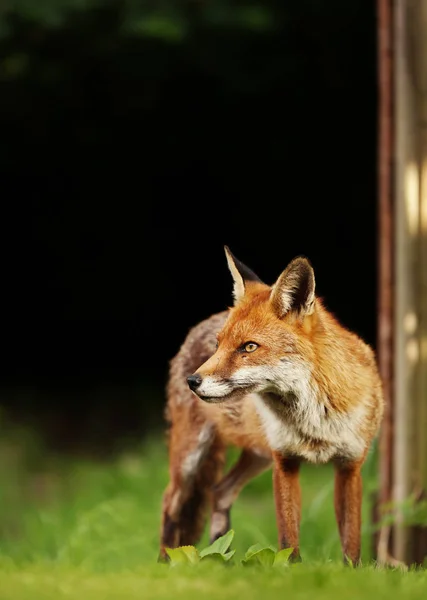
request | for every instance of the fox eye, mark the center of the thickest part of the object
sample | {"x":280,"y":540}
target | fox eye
{"x":216,"y":345}
{"x":249,"y":347}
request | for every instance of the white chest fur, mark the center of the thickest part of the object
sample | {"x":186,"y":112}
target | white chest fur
{"x":318,"y":440}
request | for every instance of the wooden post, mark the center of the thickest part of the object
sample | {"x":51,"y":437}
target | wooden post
{"x":402,"y":270}
{"x":418,"y":550}
{"x":409,"y":431}
{"x":385,"y":260}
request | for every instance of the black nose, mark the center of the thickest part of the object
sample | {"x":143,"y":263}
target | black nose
{"x":194,"y":381}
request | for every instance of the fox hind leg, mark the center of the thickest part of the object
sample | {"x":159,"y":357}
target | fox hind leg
{"x":195,"y":466}
{"x":248,"y":466}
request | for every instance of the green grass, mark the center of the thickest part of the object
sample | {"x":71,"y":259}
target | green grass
{"x":87,"y":530}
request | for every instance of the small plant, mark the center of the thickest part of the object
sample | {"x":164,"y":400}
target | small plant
{"x":266,"y":556}
{"x":219,"y":551}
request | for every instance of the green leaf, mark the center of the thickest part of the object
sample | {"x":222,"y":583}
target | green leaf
{"x":182,"y":555}
{"x":191,"y":553}
{"x":228,"y":555}
{"x":253,"y":549}
{"x":282,"y":557}
{"x":256,"y":548}
{"x":177,"y":556}
{"x":219,"y":546}
{"x":263,"y":556}
{"x":217,"y":557}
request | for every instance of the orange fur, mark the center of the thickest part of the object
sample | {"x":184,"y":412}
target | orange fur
{"x":287,"y":497}
{"x":309,"y":391}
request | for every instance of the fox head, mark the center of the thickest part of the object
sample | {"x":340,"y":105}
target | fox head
{"x":265,"y":341}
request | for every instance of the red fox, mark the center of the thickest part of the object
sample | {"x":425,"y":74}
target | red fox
{"x":277,"y":376}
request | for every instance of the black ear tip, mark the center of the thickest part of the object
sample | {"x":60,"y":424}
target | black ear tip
{"x":246,"y":273}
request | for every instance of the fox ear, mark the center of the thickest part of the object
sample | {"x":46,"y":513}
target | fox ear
{"x":241,"y":275}
{"x":295,"y":289}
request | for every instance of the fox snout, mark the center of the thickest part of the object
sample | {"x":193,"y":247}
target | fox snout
{"x":194,"y":381}
{"x":210,"y":383}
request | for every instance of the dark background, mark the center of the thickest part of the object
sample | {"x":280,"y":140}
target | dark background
{"x":130,"y":154}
